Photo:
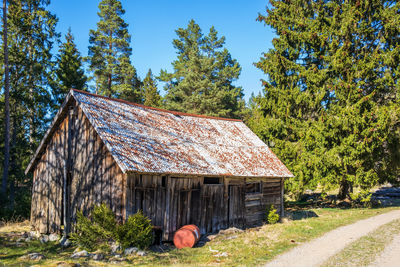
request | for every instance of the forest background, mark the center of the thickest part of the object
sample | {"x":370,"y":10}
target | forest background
{"x":328,"y":107}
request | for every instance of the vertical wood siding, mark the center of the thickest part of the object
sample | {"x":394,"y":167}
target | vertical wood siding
{"x":187,"y":200}
{"x":96,"y":178}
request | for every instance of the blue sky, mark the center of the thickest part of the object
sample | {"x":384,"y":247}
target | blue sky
{"x":152,"y":26}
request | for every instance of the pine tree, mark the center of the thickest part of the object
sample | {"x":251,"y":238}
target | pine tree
{"x":152,"y":97}
{"x":204,"y":72}
{"x":6,"y":103}
{"x":31,"y":35}
{"x":331,"y":93}
{"x":109,"y":53}
{"x":69,"y":72}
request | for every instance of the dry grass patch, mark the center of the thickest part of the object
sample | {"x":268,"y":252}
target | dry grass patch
{"x":14,"y":226}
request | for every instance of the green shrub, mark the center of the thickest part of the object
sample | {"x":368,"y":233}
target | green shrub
{"x":101,"y":229}
{"x":96,"y":231}
{"x":271,"y":215}
{"x":137,"y":231}
{"x":364,"y":199}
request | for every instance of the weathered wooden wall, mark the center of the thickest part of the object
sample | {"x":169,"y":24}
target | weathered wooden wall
{"x":94,"y":177}
{"x":171,"y":202}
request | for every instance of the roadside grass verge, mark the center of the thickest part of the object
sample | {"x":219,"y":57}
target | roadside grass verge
{"x":254,"y":246}
{"x":364,"y":251}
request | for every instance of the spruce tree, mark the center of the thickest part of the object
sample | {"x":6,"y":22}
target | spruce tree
{"x":31,"y":35}
{"x":6,"y":165}
{"x":109,"y":54}
{"x":152,"y":97}
{"x":69,"y":72}
{"x":203,"y":76}
{"x":330,"y":104}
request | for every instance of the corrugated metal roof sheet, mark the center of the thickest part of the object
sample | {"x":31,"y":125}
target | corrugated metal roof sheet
{"x":149,"y":140}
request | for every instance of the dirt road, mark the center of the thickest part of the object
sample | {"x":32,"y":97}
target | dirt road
{"x":390,"y":257}
{"x":317,"y":251}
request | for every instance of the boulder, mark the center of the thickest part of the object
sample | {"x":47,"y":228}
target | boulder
{"x":232,"y":230}
{"x":68,"y":264}
{"x":141,"y":253}
{"x":115,"y":247}
{"x":34,"y":234}
{"x":130,"y":251}
{"x":64,"y":242}
{"x":34,"y":256}
{"x":53,"y":237}
{"x":80,"y":254}
{"x":44,"y":239}
{"x":97,"y":256}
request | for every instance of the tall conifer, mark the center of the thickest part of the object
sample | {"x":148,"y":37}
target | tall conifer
{"x":31,"y":35}
{"x":203,"y":76}
{"x":109,"y":54}
{"x":331,"y":93}
{"x":70,"y":73}
{"x":152,"y":97}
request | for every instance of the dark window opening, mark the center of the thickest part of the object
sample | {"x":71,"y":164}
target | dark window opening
{"x":163,"y":181}
{"x":252,"y":188}
{"x":211,"y":180}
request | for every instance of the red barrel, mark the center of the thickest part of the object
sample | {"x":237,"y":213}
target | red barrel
{"x":187,"y":236}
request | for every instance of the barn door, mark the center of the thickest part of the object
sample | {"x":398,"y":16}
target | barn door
{"x":236,"y":206}
{"x":213,"y":210}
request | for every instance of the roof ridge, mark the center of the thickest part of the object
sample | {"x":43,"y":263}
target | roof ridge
{"x":178,"y":113}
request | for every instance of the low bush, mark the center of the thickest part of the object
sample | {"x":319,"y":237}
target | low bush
{"x":364,"y":199}
{"x":96,"y":231}
{"x":137,"y":231}
{"x":272,"y":216}
{"x":101,"y":229}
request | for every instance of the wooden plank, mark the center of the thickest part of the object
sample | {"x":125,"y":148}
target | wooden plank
{"x":167,"y":209}
{"x":255,"y":196}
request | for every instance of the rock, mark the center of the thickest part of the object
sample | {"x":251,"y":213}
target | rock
{"x":211,"y":237}
{"x":28,"y":239}
{"x":53,"y":237}
{"x":130,"y":251}
{"x":19,"y":244}
{"x":117,"y":257}
{"x":64,"y":242}
{"x":222,"y":254}
{"x":68,"y":264}
{"x":141,"y":253}
{"x":232,"y":230}
{"x":98,"y":256}
{"x":80,"y":254}
{"x":44,"y":239}
{"x":34,"y":234}
{"x":231,"y":237}
{"x":21,"y":239}
{"x":115,"y":247}
{"x":34,"y":256}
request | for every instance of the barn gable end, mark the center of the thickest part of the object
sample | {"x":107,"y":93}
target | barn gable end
{"x":93,"y":175}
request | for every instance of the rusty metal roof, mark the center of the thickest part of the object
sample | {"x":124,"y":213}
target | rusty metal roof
{"x":150,"y":140}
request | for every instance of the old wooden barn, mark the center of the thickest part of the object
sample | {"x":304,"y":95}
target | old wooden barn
{"x":178,"y":168}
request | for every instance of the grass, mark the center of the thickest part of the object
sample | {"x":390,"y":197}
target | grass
{"x":364,"y":251}
{"x":14,"y":226}
{"x":252,"y":247}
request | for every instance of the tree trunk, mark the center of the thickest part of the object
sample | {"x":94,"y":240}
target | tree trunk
{"x":13,"y":156}
{"x":6,"y":102}
{"x":345,"y":189}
